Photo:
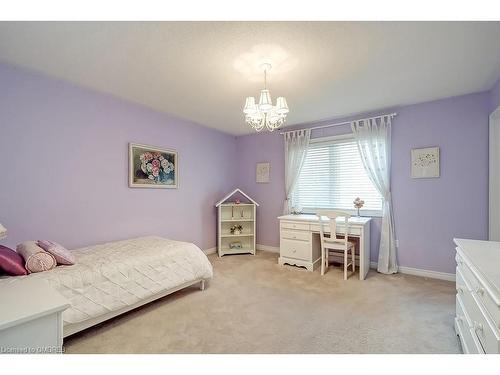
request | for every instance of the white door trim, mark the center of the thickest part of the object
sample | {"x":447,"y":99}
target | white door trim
{"x":494,"y":177}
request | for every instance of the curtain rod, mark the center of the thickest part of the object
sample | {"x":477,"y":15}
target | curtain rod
{"x":341,"y":123}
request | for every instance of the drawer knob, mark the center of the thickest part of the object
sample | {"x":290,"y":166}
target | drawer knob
{"x":480,"y":291}
{"x":478,"y":326}
{"x":294,"y":251}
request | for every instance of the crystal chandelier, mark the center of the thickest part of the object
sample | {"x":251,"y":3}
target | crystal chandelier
{"x":265,"y":114}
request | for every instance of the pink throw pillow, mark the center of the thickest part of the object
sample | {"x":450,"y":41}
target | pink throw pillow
{"x":11,"y":262}
{"x":62,"y":255}
{"x":36,"y":258}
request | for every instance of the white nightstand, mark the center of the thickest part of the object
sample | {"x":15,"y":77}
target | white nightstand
{"x":31,"y":317}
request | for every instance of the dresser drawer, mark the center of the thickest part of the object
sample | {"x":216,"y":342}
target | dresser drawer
{"x":479,"y":322}
{"x":295,"y":249}
{"x":292,"y":225}
{"x":461,"y":286}
{"x":481,"y":294}
{"x":467,"y":274}
{"x":470,"y":342}
{"x":296,"y":235}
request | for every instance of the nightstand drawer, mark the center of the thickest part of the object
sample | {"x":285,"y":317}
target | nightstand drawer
{"x":296,"y":235}
{"x":295,"y":249}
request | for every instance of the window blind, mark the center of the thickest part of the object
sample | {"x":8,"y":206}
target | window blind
{"x":333,"y":176}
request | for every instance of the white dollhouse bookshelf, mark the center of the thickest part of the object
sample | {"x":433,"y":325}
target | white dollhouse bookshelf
{"x":231,"y":213}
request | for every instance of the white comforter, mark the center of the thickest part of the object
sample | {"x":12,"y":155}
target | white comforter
{"x":115,"y":275}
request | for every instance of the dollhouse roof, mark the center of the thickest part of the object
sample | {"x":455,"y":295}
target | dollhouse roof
{"x":234,"y":192}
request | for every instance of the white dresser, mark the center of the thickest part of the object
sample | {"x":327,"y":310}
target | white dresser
{"x":477,"y":320}
{"x":300,"y":245}
{"x":31,"y":317}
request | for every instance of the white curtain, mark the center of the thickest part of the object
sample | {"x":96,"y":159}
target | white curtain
{"x":296,"y":144}
{"x":374,"y":143}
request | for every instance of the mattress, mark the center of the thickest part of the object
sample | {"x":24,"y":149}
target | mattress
{"x":116,"y":275}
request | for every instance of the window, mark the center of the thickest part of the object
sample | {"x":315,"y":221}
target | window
{"x":333,"y":176}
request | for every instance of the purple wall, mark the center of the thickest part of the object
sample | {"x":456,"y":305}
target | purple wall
{"x":428,"y":212}
{"x":65,"y":167}
{"x":495,"y":96}
{"x":65,"y":171}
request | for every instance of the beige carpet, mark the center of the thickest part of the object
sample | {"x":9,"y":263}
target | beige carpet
{"x":254,"y":306}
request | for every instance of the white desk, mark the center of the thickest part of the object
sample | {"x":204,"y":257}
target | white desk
{"x":300,"y":243}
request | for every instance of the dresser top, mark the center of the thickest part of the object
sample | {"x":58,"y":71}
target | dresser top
{"x":485,"y":257}
{"x":24,"y":299}
{"x":313,"y":218}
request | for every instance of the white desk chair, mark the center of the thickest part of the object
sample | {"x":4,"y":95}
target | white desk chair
{"x":333,"y":243}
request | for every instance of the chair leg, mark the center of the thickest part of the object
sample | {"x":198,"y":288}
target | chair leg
{"x":322,"y":261}
{"x":353,"y":260}
{"x":345,"y":264}
{"x":327,"y":264}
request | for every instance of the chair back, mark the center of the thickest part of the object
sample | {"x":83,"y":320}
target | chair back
{"x":330,"y":217}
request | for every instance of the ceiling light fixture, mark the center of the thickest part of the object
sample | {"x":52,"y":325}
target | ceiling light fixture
{"x":264,"y":114}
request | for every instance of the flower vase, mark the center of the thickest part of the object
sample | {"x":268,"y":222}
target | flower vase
{"x":237,"y":232}
{"x":358,"y":213}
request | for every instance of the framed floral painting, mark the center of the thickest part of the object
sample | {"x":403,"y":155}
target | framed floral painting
{"x":152,"y":167}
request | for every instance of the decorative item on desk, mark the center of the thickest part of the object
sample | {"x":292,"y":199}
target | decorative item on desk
{"x":296,"y":210}
{"x":236,"y":229}
{"x":358,"y":203}
{"x":235,"y":245}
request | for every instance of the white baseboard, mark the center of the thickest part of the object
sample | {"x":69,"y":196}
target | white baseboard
{"x":405,"y":270}
{"x":421,"y":272}
{"x":272,"y":249}
{"x":212,"y":250}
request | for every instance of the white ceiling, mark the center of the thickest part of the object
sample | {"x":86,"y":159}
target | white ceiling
{"x":202,"y":71}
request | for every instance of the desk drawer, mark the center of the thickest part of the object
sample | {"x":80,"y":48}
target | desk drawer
{"x":296,"y":249}
{"x":292,"y":225}
{"x":296,"y":235}
{"x":353,"y":231}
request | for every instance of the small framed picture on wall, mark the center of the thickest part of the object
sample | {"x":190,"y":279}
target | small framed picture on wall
{"x":262,"y":174}
{"x":425,"y":162}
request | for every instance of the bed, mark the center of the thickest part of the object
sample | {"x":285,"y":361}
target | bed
{"x":110,"y":279}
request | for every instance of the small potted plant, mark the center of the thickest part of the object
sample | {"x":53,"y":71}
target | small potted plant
{"x":358,"y":203}
{"x":236,"y":229}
